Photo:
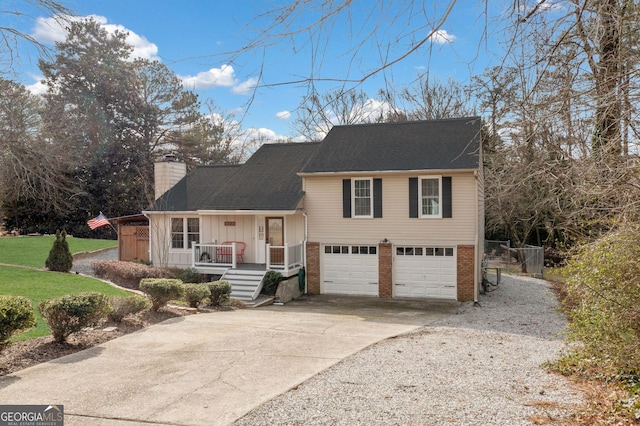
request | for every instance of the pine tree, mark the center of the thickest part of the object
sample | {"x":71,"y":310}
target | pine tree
{"x":60,"y":258}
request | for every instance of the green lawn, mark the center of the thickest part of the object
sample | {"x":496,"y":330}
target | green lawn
{"x":33,"y":251}
{"x":40,"y":285}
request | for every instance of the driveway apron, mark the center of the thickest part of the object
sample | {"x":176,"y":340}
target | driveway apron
{"x":211,"y":369}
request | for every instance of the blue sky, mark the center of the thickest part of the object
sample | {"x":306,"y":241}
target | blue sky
{"x":192,"y":36}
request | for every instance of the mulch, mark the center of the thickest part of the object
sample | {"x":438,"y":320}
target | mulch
{"x":30,"y":352}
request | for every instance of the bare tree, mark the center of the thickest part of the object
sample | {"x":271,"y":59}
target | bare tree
{"x":431,"y":99}
{"x":10,"y":37}
{"x":31,"y":167}
{"x":318,"y":113}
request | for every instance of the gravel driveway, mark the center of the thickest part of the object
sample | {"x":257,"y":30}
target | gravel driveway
{"x":480,"y":367}
{"x":82,"y":262}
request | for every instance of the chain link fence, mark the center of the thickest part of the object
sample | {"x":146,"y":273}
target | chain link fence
{"x":527,"y":260}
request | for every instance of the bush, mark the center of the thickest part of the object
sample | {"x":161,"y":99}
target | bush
{"x":195,"y":293}
{"x":602,"y":282}
{"x":126,"y":274}
{"x":60,"y":258}
{"x":121,"y":306}
{"x":188,"y":275}
{"x":71,"y":313}
{"x":162,"y":290}
{"x":16,"y":315}
{"x":220,"y":292}
{"x":271,"y":281}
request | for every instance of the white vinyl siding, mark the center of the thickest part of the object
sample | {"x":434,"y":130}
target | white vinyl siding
{"x":323,"y":204}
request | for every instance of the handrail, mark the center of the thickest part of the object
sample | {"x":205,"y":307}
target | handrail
{"x":214,"y":255}
{"x":291,"y":257}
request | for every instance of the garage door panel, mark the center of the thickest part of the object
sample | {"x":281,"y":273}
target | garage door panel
{"x":425,"y":272}
{"x":346,"y":272}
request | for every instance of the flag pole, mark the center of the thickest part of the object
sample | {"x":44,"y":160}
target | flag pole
{"x":112,"y":227}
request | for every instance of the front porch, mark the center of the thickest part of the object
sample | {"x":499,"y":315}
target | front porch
{"x":217,"y":259}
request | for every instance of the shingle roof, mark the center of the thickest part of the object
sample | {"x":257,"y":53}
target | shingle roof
{"x":267,"y":181}
{"x":189,"y":193}
{"x":415,"y":145}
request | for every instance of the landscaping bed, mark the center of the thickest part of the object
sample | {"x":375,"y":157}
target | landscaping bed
{"x":30,"y":352}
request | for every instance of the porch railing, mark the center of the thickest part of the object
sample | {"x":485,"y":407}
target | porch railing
{"x":285,"y":257}
{"x":223,"y":255}
{"x":280,"y":258}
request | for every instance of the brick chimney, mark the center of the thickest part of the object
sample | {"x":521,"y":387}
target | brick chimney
{"x":167,"y":172}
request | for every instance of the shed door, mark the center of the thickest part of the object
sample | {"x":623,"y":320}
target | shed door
{"x":349,"y":269}
{"x":425,"y":271}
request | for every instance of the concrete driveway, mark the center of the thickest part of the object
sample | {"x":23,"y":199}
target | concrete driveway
{"x":211,"y":369}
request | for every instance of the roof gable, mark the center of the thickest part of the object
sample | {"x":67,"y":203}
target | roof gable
{"x":415,"y":145}
{"x":267,"y":181}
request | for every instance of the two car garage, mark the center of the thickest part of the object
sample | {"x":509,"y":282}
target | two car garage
{"x":418,"y":271}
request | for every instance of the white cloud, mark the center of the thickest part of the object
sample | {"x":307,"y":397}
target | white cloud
{"x":262,"y":134}
{"x":37,"y":88}
{"x":283,"y":115}
{"x":442,"y":37}
{"x":245,"y":86}
{"x":215,"y":77}
{"x":50,"y":30}
{"x":371,"y":110}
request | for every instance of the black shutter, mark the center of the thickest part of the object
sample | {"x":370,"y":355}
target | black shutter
{"x":413,"y":197}
{"x":446,"y":197}
{"x":346,"y":197}
{"x":377,"y":198}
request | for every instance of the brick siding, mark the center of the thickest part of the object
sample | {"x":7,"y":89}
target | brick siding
{"x":313,"y":268}
{"x":466,"y":273}
{"x":385,"y":270}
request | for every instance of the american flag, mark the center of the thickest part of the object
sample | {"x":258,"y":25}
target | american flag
{"x":98,"y":221}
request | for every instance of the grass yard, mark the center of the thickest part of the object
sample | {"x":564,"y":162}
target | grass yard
{"x":33,"y":251}
{"x":41,"y":285}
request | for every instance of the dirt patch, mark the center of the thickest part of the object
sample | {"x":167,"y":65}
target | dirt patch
{"x":28,"y":353}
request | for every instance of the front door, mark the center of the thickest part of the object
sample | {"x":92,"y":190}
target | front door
{"x":275,"y":238}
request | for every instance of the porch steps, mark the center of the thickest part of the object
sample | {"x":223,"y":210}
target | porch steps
{"x":245,"y":284}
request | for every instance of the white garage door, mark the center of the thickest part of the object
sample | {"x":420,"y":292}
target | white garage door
{"x":425,"y":272}
{"x":348,"y":269}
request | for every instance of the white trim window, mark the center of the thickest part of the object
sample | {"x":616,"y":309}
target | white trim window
{"x":184,"y":229}
{"x":430,"y":194}
{"x":362,"y":197}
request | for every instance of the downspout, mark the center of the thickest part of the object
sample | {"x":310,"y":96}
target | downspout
{"x":304,"y":249}
{"x":476,"y":288}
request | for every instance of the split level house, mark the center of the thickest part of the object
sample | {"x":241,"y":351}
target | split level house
{"x":387,"y":210}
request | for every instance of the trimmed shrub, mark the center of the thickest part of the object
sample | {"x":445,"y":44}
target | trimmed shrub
{"x":121,"y":306}
{"x":60,"y":258}
{"x":190,"y":275}
{"x":271,"y":281}
{"x":220,"y":292}
{"x":196,"y":293}
{"x":162,"y":290}
{"x":16,"y":315}
{"x":126,"y":274}
{"x":71,"y":313}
